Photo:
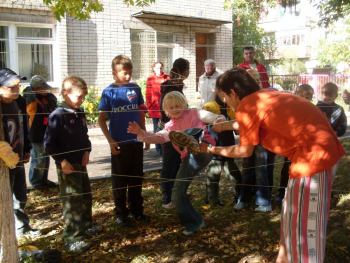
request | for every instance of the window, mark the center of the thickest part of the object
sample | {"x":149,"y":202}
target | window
{"x":35,"y":59}
{"x":35,"y":52}
{"x":3,"y":47}
{"x":292,"y":40}
{"x":148,"y":47}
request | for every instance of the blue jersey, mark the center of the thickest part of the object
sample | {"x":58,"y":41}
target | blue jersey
{"x":122,"y":104}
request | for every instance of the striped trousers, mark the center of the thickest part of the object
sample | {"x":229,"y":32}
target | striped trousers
{"x":304,"y":217}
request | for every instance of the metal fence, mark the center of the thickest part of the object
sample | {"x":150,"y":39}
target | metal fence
{"x":290,"y":82}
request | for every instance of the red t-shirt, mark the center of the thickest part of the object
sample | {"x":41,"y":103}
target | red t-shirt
{"x":290,"y":126}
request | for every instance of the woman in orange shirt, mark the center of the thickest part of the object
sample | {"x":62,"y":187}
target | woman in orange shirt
{"x":293,"y":127}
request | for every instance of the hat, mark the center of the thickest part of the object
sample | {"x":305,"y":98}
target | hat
{"x":38,"y":81}
{"x":7,"y":76}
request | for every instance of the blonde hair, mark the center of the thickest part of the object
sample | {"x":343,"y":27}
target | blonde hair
{"x":73,"y":82}
{"x":174,"y":98}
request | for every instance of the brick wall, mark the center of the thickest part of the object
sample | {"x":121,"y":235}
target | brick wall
{"x":93,"y":44}
{"x":86,"y":48}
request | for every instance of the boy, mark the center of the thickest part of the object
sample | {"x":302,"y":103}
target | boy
{"x":66,"y":140}
{"x":219,"y":163}
{"x":293,"y":127}
{"x":334,"y":112}
{"x":121,"y":103}
{"x":40,"y":103}
{"x":15,"y":133}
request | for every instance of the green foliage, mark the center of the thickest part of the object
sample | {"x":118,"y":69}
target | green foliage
{"x":78,"y":9}
{"x":142,"y":85}
{"x":82,"y":9}
{"x":246,"y":31}
{"x":292,"y":66}
{"x":332,"y":10}
{"x":90,"y":104}
{"x":333,"y":52}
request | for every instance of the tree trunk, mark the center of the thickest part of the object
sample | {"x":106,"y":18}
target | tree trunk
{"x":8,"y":241}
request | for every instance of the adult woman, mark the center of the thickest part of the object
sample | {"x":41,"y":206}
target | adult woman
{"x":153,"y":95}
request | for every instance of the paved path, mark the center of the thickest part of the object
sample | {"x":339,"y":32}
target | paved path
{"x":99,"y":166}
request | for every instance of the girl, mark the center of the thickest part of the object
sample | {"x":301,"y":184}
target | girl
{"x":171,"y":158}
{"x":181,"y":119}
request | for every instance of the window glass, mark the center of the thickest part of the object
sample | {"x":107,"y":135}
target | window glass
{"x":34,"y":32}
{"x":3,"y":46}
{"x":35,"y":59}
{"x":148,"y":47}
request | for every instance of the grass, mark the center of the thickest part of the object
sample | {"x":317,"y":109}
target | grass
{"x":230,"y":236}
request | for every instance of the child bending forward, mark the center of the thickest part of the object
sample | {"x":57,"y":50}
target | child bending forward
{"x":181,"y":119}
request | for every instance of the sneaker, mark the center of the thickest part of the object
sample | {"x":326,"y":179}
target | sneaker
{"x":78,"y":246}
{"x":191,"y":232}
{"x":263,"y":208}
{"x":28,"y":232}
{"x":169,"y":205}
{"x":182,"y":140}
{"x":50,"y":184}
{"x":140,"y":218}
{"x":93,"y":230}
{"x":239,"y":205}
{"x":123,"y":221}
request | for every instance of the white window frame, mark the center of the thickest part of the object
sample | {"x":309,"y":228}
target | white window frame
{"x":14,"y":41}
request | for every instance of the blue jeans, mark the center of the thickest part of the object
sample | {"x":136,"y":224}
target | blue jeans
{"x":189,"y":168}
{"x":39,"y":165}
{"x":156,"y":129}
{"x":170,"y":166}
{"x":256,"y":171}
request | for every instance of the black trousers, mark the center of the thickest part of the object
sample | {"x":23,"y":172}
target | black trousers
{"x":127,"y":178}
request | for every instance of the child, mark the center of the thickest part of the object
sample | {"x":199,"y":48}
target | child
{"x":334,"y":112}
{"x":15,"y":134}
{"x":181,"y":118}
{"x":293,"y":127}
{"x":219,"y":163}
{"x":40,"y":103}
{"x":66,"y":140}
{"x":121,"y":103}
{"x":307,"y":92}
{"x":170,"y":157}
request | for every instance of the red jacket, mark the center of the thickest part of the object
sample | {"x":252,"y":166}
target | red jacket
{"x":153,"y":94}
{"x":264,"y":77}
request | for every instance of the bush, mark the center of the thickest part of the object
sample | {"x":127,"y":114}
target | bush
{"x":90,"y":104}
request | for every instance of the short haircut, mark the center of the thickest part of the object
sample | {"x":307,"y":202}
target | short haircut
{"x":209,"y":61}
{"x":180,"y":66}
{"x":122,"y":60}
{"x":74,"y":82}
{"x":238,"y":80}
{"x":250,"y":48}
{"x":330,"y":89}
{"x":157,"y":62}
{"x":304,"y":87}
{"x":174,"y":97}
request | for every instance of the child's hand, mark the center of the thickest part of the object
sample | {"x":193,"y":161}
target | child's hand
{"x":8,"y":155}
{"x":85,"y":160}
{"x":203,"y":147}
{"x":134,"y":128}
{"x":218,"y":125}
{"x":67,"y":168}
{"x":115,"y":149}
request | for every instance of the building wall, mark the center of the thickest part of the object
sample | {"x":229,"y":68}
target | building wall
{"x":86,"y":48}
{"x":92,"y":44}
